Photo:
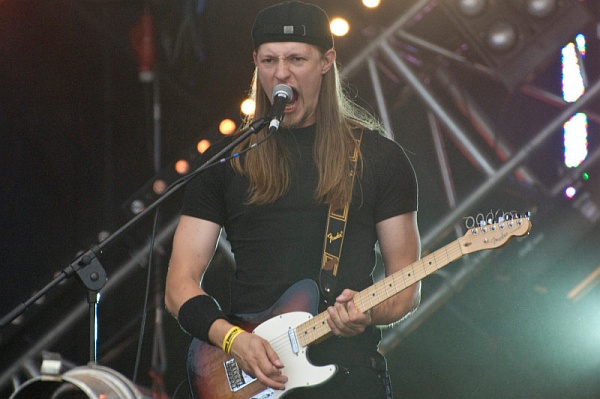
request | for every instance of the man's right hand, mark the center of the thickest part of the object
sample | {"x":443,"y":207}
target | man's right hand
{"x":257,"y":358}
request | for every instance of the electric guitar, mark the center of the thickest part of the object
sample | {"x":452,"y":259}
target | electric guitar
{"x":290,"y":327}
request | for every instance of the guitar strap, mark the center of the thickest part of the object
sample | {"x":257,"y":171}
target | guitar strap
{"x":334,"y":237}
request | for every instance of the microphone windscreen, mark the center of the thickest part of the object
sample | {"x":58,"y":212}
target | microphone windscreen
{"x":284,"y":91}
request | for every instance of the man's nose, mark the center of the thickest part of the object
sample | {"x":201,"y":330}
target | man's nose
{"x":282,"y":70}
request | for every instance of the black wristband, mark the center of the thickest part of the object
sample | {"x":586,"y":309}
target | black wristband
{"x":197,"y":314}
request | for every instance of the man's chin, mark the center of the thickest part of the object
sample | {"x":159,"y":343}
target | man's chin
{"x":295,"y":123}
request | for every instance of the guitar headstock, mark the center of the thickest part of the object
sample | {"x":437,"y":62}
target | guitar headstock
{"x":487,"y":235}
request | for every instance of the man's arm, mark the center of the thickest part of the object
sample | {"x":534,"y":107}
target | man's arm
{"x":400,"y":246}
{"x":193,"y":247}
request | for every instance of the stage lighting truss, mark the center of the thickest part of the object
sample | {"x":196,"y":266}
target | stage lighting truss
{"x":515,"y":37}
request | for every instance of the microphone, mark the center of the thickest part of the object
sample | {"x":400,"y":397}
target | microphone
{"x":282,"y":95}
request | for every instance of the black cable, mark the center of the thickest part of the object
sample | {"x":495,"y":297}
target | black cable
{"x":146,"y":297}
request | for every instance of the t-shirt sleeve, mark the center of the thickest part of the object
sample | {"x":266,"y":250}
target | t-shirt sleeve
{"x":204,"y":194}
{"x":396,"y":181}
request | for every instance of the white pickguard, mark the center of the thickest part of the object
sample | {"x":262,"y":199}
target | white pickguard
{"x":300,"y":372}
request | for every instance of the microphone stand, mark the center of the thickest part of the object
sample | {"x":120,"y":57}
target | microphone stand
{"x":87,"y":266}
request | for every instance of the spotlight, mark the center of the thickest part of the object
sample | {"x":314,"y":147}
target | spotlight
{"x":137,"y":206}
{"x":182,"y":167}
{"x":339,"y":27}
{"x":159,"y":186}
{"x":371,"y":3}
{"x":515,"y":37}
{"x":202,"y":146}
{"x":541,"y":8}
{"x":471,"y":8}
{"x":247,"y":107}
{"x":570,"y":192}
{"x":502,"y":37}
{"x":227,"y":127}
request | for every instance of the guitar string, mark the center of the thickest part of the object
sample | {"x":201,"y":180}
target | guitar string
{"x":453,"y":252}
{"x":409,"y":273}
{"x":407,"y":276}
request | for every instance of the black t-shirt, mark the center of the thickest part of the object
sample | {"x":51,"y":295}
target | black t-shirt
{"x":279,"y":244}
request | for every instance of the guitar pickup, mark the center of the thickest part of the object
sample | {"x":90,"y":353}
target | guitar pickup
{"x":293,"y":341}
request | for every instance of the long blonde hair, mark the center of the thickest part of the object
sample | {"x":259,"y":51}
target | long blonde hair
{"x":337,"y":117}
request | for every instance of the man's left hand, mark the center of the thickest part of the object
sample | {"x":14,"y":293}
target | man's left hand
{"x":345,"y":320}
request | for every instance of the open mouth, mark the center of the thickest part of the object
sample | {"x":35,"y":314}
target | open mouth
{"x":292,"y":104}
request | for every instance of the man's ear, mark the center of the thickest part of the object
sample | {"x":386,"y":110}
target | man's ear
{"x":328,"y":58}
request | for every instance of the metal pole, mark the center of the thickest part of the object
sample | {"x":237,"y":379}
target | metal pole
{"x":439,"y":111}
{"x":382,"y":107}
{"x":444,"y":164}
{"x":367,"y":53}
{"x":482,"y":125}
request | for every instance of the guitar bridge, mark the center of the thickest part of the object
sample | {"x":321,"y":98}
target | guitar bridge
{"x":237,"y":378}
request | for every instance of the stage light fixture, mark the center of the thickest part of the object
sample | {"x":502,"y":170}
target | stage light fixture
{"x":570,"y":192}
{"x":182,"y":167}
{"x":202,"y":146}
{"x":541,"y":8}
{"x":471,"y":8}
{"x":502,"y":37}
{"x":227,"y":127}
{"x":371,"y":3}
{"x":516,"y":37}
{"x":137,"y":206}
{"x":247,"y":107}
{"x":339,"y":27}
{"x":159,"y":186}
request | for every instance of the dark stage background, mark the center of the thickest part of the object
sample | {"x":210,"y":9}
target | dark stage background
{"x":81,"y":138}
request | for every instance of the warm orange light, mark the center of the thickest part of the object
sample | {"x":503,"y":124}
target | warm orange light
{"x":203,"y":146}
{"x":182,"y":166}
{"x":227,"y":126}
{"x":248,"y":106}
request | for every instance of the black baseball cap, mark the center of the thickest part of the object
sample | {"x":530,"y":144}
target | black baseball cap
{"x":292,"y":21}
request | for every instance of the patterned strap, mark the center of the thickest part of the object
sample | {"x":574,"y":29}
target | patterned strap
{"x":334,"y":238}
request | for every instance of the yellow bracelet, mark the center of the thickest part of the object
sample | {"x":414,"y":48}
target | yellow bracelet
{"x":230,"y":336}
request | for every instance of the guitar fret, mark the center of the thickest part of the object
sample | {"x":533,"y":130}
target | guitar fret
{"x":424,"y":268}
{"x":313,"y":329}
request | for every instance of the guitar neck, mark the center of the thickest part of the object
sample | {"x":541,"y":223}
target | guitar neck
{"x":317,"y":328}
